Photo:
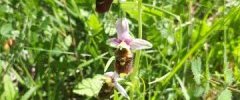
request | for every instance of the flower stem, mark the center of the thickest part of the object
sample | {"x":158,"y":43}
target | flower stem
{"x":139,"y":18}
{"x":134,"y":77}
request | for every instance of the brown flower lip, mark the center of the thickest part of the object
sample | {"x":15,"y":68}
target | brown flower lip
{"x":124,"y":59}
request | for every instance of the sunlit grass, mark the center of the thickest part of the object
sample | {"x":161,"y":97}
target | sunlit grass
{"x":50,"y":48}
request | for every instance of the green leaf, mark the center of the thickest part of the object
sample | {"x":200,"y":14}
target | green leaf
{"x":228,"y":76}
{"x":196,"y":69}
{"x":225,"y":95}
{"x":29,"y":93}
{"x":10,"y":92}
{"x":94,"y":23}
{"x":131,"y":9}
{"x":198,"y":92}
{"x":5,"y":30}
{"x":90,"y":86}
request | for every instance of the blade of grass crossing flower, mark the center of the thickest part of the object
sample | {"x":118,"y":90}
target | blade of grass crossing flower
{"x":109,"y":63}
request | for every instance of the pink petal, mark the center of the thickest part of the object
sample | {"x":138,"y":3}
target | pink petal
{"x":138,"y":44}
{"x":125,"y":37}
{"x":122,"y":29}
{"x":109,"y":74}
{"x":113,"y":42}
{"x":122,"y":25}
{"x":121,"y":89}
{"x":113,"y":75}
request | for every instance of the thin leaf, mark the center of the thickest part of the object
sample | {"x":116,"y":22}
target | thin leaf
{"x":184,"y":90}
{"x":5,"y":29}
{"x":109,"y":63}
{"x":29,"y":93}
{"x":159,"y":79}
{"x":92,"y":60}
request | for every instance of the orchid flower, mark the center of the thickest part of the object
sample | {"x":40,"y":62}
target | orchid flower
{"x":114,"y":82}
{"x":125,"y":40}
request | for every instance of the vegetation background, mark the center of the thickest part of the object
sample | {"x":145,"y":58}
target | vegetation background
{"x":51,"y":48}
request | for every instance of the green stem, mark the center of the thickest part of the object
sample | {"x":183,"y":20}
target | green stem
{"x":134,"y":78}
{"x":225,"y":65}
{"x":139,"y":18}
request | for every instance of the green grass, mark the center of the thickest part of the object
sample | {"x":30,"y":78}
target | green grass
{"x":60,"y":46}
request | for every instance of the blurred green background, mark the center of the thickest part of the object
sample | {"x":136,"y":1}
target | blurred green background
{"x":48,"y":48}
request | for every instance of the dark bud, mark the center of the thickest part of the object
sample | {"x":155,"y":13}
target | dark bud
{"x":103,"y":6}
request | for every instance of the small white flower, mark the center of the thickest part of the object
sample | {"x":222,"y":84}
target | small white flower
{"x":25,"y":54}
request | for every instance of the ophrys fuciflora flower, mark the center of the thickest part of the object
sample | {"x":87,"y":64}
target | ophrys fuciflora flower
{"x":111,"y":82}
{"x":125,"y":44}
